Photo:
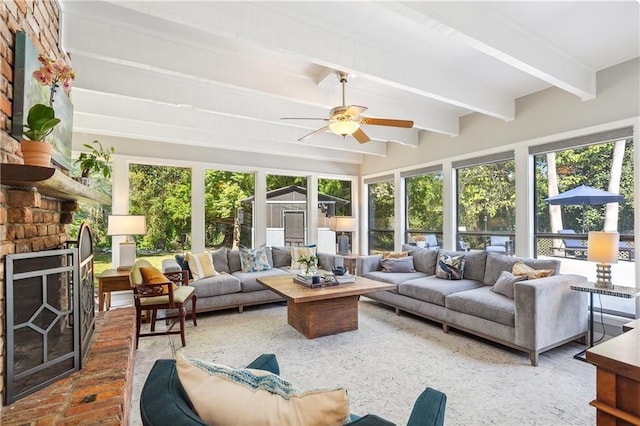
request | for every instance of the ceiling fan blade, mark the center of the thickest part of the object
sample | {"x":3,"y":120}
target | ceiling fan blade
{"x":303,"y":118}
{"x":355,"y":110}
{"x":387,"y":122}
{"x":320,"y":130}
{"x":361,"y":136}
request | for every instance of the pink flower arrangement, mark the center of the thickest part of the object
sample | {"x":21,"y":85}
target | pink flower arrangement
{"x":54,"y":73}
{"x":41,"y":118}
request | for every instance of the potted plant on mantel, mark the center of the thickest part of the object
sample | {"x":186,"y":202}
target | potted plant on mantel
{"x":41,"y":118}
{"x":97,"y":160}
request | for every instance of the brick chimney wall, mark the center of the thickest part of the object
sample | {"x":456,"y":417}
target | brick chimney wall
{"x":28,"y":221}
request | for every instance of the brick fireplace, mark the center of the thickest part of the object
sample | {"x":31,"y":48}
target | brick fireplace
{"x":33,"y":218}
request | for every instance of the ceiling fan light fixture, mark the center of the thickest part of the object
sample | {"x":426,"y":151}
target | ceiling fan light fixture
{"x":344,"y":127}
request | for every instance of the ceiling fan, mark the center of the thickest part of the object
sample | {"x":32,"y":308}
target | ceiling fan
{"x":345,"y":119}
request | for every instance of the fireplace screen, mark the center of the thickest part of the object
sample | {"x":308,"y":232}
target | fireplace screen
{"x":42,"y":323}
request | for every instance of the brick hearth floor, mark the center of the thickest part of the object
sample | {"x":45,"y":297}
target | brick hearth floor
{"x":98,"y":394}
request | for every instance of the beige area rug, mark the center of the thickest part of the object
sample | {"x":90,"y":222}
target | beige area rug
{"x":387,"y":363}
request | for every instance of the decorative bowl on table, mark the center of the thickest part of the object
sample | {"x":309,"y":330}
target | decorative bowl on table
{"x":339,"y":270}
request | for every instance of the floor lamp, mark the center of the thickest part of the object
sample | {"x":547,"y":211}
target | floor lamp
{"x":126,"y":225}
{"x":344,"y":224}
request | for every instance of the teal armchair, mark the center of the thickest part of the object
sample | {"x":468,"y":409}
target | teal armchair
{"x":164,"y":401}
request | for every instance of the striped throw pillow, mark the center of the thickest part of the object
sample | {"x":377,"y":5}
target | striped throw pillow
{"x":201,"y":265}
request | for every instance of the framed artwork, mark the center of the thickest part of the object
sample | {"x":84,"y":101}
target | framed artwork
{"x":27,"y":92}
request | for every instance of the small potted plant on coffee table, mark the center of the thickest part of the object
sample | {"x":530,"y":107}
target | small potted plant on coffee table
{"x":309,"y":263}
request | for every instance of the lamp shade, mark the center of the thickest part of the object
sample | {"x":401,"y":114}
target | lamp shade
{"x":602,"y":247}
{"x":126,"y":225}
{"x":344,"y":127}
{"x":344,"y":224}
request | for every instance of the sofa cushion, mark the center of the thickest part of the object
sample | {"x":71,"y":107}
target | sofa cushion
{"x":394,"y":277}
{"x":219,"y":258}
{"x":394,"y":254}
{"x":221,"y":395}
{"x":434,"y":290}
{"x":496,"y":263}
{"x":401,"y":265}
{"x":522,"y":270}
{"x":450,"y":267}
{"x":281,"y":257}
{"x":327,"y":261}
{"x":233,"y":260}
{"x":254,"y":260}
{"x":474,"y":263}
{"x":201,"y":265}
{"x":424,"y":260}
{"x":506,"y":283}
{"x":483,"y":303}
{"x":217,"y":285}
{"x":248,"y":280}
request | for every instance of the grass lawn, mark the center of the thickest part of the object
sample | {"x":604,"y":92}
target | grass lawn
{"x":102,"y":262}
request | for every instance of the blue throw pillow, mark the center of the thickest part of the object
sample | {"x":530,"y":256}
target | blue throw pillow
{"x":184,"y":265}
{"x":450,"y":267}
{"x":253,"y":260}
{"x":402,"y":264}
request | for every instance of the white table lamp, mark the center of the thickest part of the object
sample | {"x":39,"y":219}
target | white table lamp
{"x":343,"y":224}
{"x":602,"y":247}
{"x":126,"y":225}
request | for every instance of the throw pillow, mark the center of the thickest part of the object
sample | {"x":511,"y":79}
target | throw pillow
{"x":201,"y":265}
{"x":152,"y":275}
{"x":520,"y":269}
{"x":450,"y":267}
{"x":402,"y":264}
{"x":221,"y":395}
{"x":506,"y":284}
{"x":253,"y":260}
{"x":394,"y":254}
{"x":297,"y":252}
{"x":184,"y":265}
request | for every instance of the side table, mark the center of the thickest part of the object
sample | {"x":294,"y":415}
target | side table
{"x":592,"y":288}
{"x":108,"y":281}
{"x":350,"y":262}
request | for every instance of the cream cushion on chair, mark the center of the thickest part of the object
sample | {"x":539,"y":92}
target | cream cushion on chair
{"x":180,"y":293}
{"x":223,"y":395}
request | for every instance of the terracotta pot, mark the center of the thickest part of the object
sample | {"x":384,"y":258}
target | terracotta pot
{"x":36,"y":153}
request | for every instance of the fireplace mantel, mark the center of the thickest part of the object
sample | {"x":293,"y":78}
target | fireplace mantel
{"x":50,"y":182}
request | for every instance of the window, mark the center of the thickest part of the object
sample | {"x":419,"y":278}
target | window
{"x":486,"y":201}
{"x":424,"y":209}
{"x":286,"y":210}
{"x":381,"y":216}
{"x":228,"y":208}
{"x":603,"y":161}
{"x":166,"y":207}
{"x":334,"y":199}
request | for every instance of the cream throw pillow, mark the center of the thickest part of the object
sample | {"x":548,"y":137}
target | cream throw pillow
{"x":201,"y":265}
{"x":297,"y":252}
{"x":223,"y":395}
{"x":520,"y":269}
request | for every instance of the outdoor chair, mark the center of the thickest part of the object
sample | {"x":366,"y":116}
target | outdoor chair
{"x":431,"y":241}
{"x":577,"y":247}
{"x":170,"y":292}
{"x":498,"y":244}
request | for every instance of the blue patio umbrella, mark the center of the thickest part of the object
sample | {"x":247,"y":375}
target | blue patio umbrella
{"x":585,"y":196}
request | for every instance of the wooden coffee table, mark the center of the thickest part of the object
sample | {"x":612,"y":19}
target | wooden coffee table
{"x":316,"y":312}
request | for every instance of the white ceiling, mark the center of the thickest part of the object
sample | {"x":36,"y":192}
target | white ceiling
{"x":222,"y":74}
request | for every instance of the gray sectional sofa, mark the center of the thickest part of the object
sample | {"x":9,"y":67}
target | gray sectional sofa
{"x":543,"y":314}
{"x":233,"y":288}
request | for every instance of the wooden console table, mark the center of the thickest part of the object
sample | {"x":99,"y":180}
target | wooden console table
{"x":617,"y":379}
{"x":108,"y":281}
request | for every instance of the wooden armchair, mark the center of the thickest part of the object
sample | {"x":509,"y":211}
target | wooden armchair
{"x":169,"y":291}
